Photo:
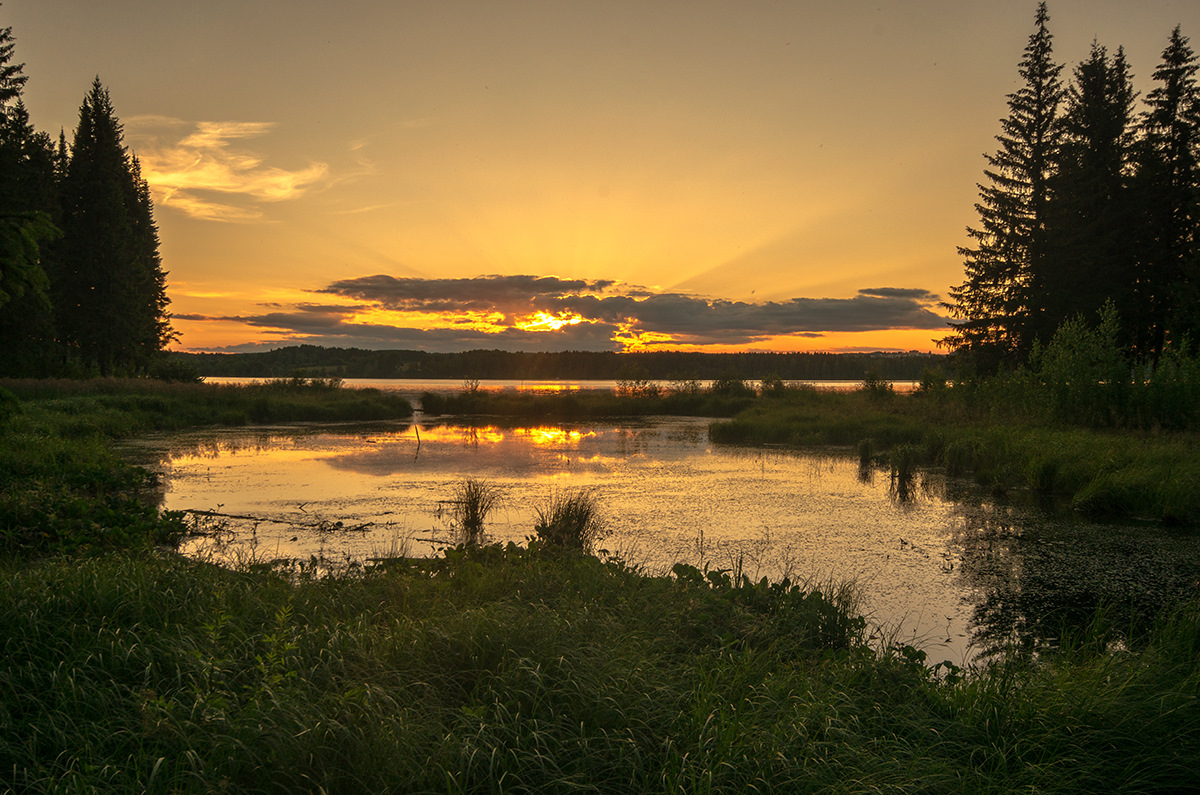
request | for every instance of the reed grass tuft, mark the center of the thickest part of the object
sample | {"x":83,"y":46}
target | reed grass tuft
{"x":571,"y":519}
{"x":473,"y":501}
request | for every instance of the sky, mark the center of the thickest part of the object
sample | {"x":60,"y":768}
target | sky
{"x":541,"y":175}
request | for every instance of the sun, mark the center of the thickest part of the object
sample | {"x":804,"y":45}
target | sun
{"x":544,"y":321}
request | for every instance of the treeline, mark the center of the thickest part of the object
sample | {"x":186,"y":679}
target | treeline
{"x":1089,"y":200}
{"x":82,"y":288}
{"x":312,"y":360}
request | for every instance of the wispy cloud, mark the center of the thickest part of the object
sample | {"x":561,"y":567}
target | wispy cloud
{"x":205,"y":170}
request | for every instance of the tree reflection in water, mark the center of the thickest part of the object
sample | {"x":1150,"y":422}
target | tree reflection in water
{"x":1038,"y":572}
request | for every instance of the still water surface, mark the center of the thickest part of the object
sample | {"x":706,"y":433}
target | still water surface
{"x":947,"y":568}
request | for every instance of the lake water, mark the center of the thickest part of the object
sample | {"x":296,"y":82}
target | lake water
{"x":948,"y":568}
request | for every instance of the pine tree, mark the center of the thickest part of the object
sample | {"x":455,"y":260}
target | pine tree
{"x":154,"y":330}
{"x":1090,"y":218}
{"x":12,"y":81}
{"x":27,"y":200}
{"x":1168,"y":182}
{"x":998,"y":304}
{"x":108,"y":290}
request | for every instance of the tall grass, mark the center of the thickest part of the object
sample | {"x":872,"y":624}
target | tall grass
{"x":571,"y":519}
{"x":510,"y":669}
{"x":473,"y":501}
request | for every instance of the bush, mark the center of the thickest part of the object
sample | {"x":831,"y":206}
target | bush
{"x":731,"y":386}
{"x":875,"y":387}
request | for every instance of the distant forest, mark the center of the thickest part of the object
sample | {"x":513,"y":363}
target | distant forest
{"x":312,"y":361}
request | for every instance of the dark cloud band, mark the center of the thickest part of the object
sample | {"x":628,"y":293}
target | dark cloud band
{"x":609,"y":313}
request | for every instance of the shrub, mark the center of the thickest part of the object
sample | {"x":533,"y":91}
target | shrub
{"x":933,"y":382}
{"x":731,"y":386}
{"x":634,"y":382}
{"x":876,"y":387}
{"x":773,"y":386}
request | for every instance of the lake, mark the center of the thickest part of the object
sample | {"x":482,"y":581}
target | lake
{"x":949,"y":569}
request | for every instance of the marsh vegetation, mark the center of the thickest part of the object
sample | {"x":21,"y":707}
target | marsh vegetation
{"x":524,"y":666}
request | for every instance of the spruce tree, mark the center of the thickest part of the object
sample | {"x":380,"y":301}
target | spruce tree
{"x":12,"y":78}
{"x":108,"y":288}
{"x":999,"y":303}
{"x":27,"y":201}
{"x":1090,"y":218}
{"x":1168,"y":181}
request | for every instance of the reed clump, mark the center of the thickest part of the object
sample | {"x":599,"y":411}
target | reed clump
{"x":571,"y":519}
{"x":473,"y":501}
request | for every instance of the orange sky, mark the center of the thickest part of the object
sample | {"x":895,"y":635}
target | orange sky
{"x":701,"y":175}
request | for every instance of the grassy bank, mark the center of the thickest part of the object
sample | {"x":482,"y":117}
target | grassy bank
{"x":124,"y":406}
{"x":587,"y":404}
{"x":1104,"y":471}
{"x":516,"y":670}
{"x":63,"y":488}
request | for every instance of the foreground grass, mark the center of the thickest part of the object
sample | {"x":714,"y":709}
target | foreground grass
{"x":518,"y":670}
{"x":63,"y":488}
{"x":1104,"y":472}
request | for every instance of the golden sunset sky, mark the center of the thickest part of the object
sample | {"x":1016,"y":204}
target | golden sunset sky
{"x":560,"y":175}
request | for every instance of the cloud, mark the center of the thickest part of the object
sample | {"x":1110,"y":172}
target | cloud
{"x":707,"y":321}
{"x":202,"y":173}
{"x":915,"y":293}
{"x":700,"y":319}
{"x":607,"y":315}
{"x":506,"y":294}
{"x":329,"y":326}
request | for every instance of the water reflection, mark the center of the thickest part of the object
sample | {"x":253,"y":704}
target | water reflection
{"x":1036,"y":573}
{"x":938,"y":563}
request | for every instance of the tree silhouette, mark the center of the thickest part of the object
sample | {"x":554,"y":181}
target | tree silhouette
{"x":12,"y":79}
{"x":996,"y":304}
{"x":1091,"y":218}
{"x":1168,"y":181}
{"x":108,"y":290}
{"x":27,"y":208}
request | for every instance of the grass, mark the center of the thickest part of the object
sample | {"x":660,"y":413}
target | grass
{"x":473,"y":501}
{"x":585,"y":404}
{"x":515,"y":669}
{"x":1104,"y":472}
{"x":571,"y":519}
{"x":529,"y":669}
{"x":123,"y":406}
